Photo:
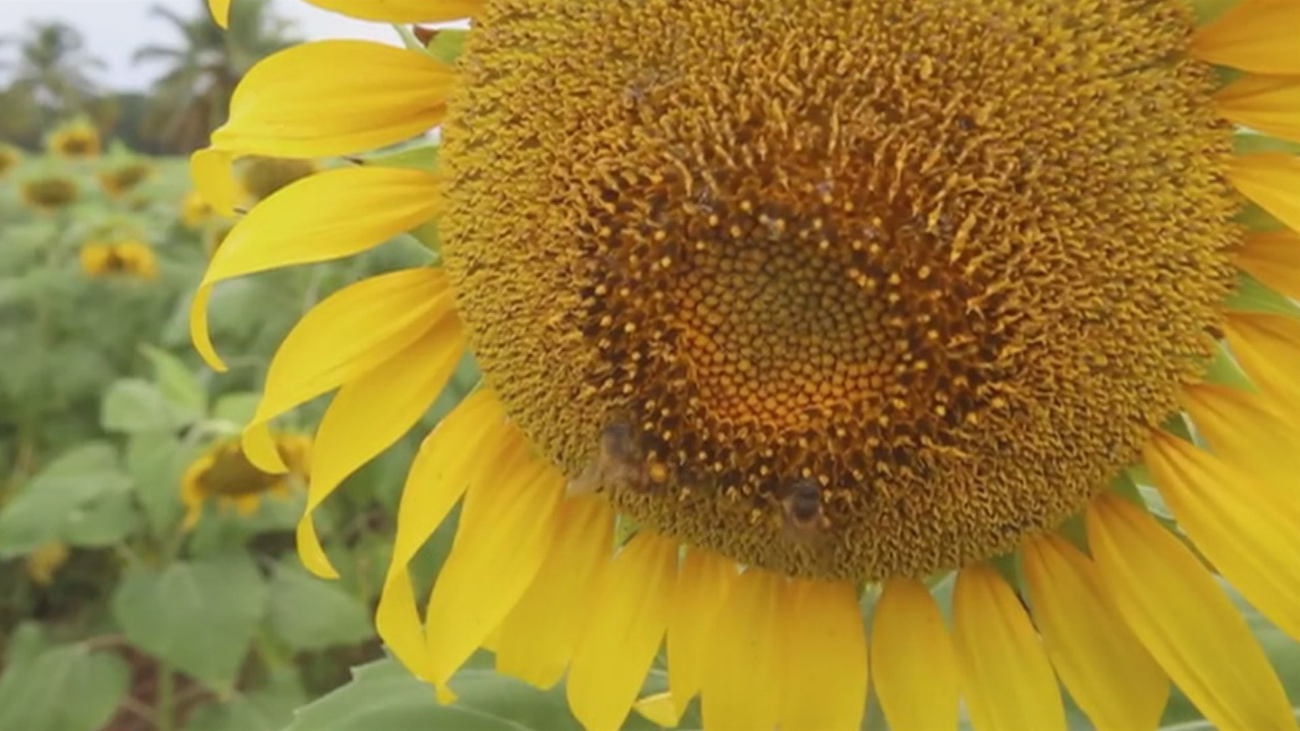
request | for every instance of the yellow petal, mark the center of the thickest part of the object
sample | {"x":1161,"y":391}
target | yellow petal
{"x":325,"y":216}
{"x":220,"y":11}
{"x":702,"y":586}
{"x":825,"y":661}
{"x":506,"y":526}
{"x":1257,"y":35}
{"x":913,"y":664}
{"x":1272,"y":180}
{"x":334,"y":97}
{"x":403,"y":11}
{"x":1005,"y":675}
{"x":349,"y":334}
{"x":368,"y":414}
{"x":1246,"y":529}
{"x":1273,"y":257}
{"x":621,"y":637}
{"x":660,"y":709}
{"x":1107,"y":671}
{"x":1246,"y":431}
{"x":540,"y":634}
{"x":212,"y":175}
{"x":1268,"y":104}
{"x":1268,"y":347}
{"x":742,"y":672}
{"x":448,"y":460}
{"x":1184,"y":619}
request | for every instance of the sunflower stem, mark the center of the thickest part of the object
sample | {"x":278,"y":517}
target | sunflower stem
{"x":166,"y":705}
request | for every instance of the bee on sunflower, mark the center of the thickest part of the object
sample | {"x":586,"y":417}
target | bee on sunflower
{"x":126,"y":258}
{"x":815,"y":296}
{"x":223,"y":476}
{"x":77,"y":140}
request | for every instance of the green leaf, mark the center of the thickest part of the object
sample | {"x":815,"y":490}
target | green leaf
{"x":179,"y":385}
{"x":311,"y":614}
{"x":198,"y":616}
{"x":268,"y":708}
{"x":63,"y":689}
{"x":133,"y":405}
{"x":104,"y":521}
{"x":447,"y":44}
{"x":383,"y":695}
{"x":22,"y":646}
{"x":236,"y":408}
{"x":50,"y":505}
{"x":156,"y":461}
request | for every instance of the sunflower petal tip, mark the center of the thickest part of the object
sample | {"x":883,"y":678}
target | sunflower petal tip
{"x":199,"y":335}
{"x":220,"y":12}
{"x":310,"y":553}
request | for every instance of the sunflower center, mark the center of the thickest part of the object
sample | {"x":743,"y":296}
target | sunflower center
{"x":838,"y":289}
{"x":232,"y":475}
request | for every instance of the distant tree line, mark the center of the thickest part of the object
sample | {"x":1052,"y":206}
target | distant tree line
{"x":47,"y":76}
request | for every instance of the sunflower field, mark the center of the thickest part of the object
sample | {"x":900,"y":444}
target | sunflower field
{"x":619,"y":365}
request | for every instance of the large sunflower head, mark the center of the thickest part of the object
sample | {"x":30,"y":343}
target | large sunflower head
{"x":49,"y":192}
{"x":223,"y":476}
{"x":123,"y":177}
{"x":815,"y":296}
{"x":74,"y":141}
{"x":10,"y":157}
{"x":118,"y":259}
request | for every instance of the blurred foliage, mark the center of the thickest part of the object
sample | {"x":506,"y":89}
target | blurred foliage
{"x":49,"y":76}
{"x":104,"y":594}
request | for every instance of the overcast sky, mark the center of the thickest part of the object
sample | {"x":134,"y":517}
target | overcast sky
{"x":115,"y":28}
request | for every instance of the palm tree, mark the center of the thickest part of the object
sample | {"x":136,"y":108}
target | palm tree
{"x":193,"y":95}
{"x":52,"y":67}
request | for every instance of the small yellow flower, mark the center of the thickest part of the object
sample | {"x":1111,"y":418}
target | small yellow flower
{"x":49,"y":192}
{"x":10,"y":156}
{"x":195,"y":210}
{"x":45,"y":561}
{"x":124,"y":177}
{"x":225,"y":476}
{"x":74,"y":141}
{"x":121,"y":258}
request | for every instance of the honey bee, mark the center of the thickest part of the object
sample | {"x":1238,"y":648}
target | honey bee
{"x":619,"y":464}
{"x":804,"y":517}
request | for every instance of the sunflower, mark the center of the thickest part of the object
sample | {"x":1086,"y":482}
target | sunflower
{"x":75,"y":140}
{"x":44,"y":562}
{"x":813,"y":298}
{"x":124,"y":177}
{"x":122,"y":258}
{"x":262,"y":176}
{"x":195,"y":211}
{"x":49,"y":192}
{"x":225,"y":476}
{"x":10,"y":156}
